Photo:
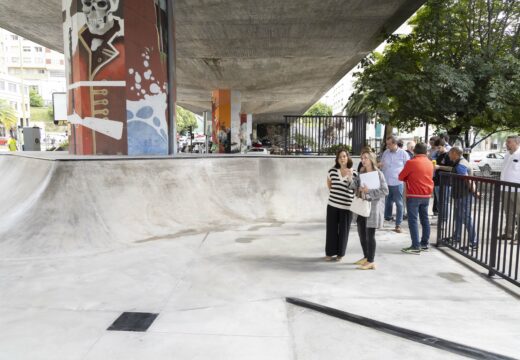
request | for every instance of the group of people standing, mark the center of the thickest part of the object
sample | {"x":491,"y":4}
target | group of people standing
{"x":418,"y":178}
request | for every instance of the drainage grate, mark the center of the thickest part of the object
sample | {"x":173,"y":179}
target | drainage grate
{"x":133,"y":321}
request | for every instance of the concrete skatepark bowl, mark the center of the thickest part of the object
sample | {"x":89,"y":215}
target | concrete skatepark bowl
{"x":214,"y":246}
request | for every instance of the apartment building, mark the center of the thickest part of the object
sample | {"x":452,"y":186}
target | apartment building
{"x":37,"y":67}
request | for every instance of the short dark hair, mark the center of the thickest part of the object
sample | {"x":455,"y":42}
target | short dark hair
{"x":350,"y":163}
{"x":393,"y":139}
{"x":420,"y":148}
{"x":439,"y":142}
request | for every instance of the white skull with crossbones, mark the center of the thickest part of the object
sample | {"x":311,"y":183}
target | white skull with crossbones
{"x":99,"y":14}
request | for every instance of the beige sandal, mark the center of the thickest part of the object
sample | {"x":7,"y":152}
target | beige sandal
{"x":361,"y":261}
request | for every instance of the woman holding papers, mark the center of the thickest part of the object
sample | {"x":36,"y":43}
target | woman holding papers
{"x":372,"y":186}
{"x":341,"y":182}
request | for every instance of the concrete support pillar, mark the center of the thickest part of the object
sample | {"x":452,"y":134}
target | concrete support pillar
{"x":118,"y":54}
{"x":246,"y":131}
{"x":226,"y":107}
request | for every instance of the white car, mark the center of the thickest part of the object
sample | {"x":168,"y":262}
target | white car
{"x":258,"y":151}
{"x":487,"y":163}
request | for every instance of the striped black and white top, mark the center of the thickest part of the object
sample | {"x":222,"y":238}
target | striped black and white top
{"x":341,"y":190}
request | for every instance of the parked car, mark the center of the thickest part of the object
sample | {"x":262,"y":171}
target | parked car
{"x":487,"y":163}
{"x":491,"y":164}
{"x":257,"y":151}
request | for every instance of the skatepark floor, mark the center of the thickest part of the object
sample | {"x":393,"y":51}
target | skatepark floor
{"x":221,"y":295}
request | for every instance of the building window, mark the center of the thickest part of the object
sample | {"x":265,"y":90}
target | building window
{"x":48,"y":61}
{"x":26,"y":89}
{"x":14,"y":105}
{"x":39,"y":60}
{"x":14,"y":37}
{"x":61,"y":62}
{"x":27,"y":49}
{"x":27,"y":60}
{"x":12,"y":87}
{"x":15,"y":59}
{"x":2,"y":85}
{"x":38,"y":49}
{"x":41,"y":71}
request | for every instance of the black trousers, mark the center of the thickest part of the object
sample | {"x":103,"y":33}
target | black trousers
{"x":338,"y":228}
{"x":367,"y":237}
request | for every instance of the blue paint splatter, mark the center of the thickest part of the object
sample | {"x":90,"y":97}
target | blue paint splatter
{"x":145,"y":112}
{"x":129,"y":115}
{"x":156,"y":121}
{"x":163,"y":133}
{"x":143,"y":139}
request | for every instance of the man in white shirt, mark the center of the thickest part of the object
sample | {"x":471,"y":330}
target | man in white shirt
{"x":392,"y":162}
{"x":511,"y":173}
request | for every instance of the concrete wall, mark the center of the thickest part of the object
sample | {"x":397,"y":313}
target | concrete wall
{"x":54,"y":207}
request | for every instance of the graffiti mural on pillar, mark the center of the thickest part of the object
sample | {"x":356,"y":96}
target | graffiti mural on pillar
{"x":117,"y":76}
{"x":96,"y":81}
{"x":221,"y":113}
{"x":146,"y":77}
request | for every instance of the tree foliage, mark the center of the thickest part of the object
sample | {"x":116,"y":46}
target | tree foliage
{"x":459,"y":69}
{"x":319,"y":109}
{"x":185,"y":119}
{"x":35,"y":98}
{"x":8,"y":116}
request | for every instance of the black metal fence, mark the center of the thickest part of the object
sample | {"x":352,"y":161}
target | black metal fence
{"x":323,"y":134}
{"x":479,"y":218}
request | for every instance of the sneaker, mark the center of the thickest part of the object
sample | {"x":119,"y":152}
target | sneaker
{"x":398,"y":229}
{"x":470,"y":247}
{"x":411,"y":250}
{"x":425,"y":248}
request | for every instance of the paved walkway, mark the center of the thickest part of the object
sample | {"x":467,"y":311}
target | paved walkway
{"x":220,"y":295}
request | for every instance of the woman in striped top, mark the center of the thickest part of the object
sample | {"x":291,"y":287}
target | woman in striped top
{"x":341,"y":182}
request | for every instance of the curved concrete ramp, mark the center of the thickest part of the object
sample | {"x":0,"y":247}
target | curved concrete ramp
{"x":54,"y":207}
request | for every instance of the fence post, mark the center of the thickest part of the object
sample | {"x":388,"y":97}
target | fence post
{"x":319,"y":134}
{"x":440,"y":216}
{"x":286,"y":130}
{"x":494,"y":228}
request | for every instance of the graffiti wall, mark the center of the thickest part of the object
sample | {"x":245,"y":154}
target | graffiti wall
{"x":117,"y":76}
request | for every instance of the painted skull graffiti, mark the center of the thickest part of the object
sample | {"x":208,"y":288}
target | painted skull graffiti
{"x":99,"y":14}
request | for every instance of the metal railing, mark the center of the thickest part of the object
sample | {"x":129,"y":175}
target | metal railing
{"x":323,"y":134}
{"x":478,"y":218}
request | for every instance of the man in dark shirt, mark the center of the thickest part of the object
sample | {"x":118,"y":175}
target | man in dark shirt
{"x":444,"y":164}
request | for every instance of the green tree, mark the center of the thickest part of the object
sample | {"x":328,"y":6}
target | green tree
{"x":319,"y":109}
{"x":8,"y":116}
{"x":35,"y":98}
{"x":458,"y":70}
{"x":185,"y":119}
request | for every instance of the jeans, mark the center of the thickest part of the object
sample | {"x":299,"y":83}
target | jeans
{"x":418,"y":208}
{"x":338,"y":228}
{"x":463,"y":216}
{"x":395,"y":194}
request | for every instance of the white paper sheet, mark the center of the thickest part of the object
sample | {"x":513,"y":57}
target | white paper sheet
{"x":370,"y":179}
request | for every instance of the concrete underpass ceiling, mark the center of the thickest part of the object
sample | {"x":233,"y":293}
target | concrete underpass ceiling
{"x":283,"y":55}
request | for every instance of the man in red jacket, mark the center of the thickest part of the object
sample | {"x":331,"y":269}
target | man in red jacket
{"x":418,"y":176}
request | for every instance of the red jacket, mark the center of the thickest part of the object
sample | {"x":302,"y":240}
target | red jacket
{"x":418,"y":175}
